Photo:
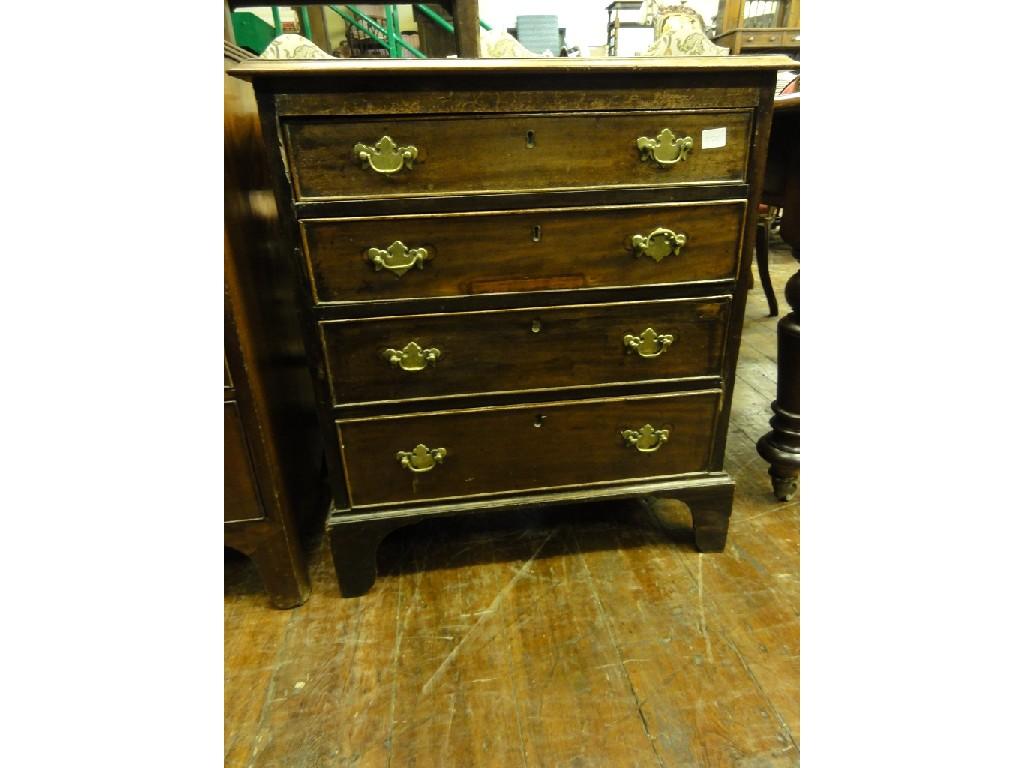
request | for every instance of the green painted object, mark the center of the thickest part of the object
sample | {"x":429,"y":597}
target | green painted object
{"x":251,"y":32}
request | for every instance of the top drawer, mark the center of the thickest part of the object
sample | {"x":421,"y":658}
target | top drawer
{"x":400,"y":157}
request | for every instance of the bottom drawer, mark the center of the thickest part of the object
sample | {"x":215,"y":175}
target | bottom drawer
{"x":452,"y":454}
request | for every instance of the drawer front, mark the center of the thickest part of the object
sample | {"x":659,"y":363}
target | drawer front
{"x":426,"y":356}
{"x":343,"y":159}
{"x":519,"y":448}
{"x":533,"y":250}
{"x":762,"y":38}
{"x":241,"y":492}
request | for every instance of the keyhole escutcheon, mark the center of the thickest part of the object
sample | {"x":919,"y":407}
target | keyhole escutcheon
{"x":536,"y":233}
{"x":530,"y":140}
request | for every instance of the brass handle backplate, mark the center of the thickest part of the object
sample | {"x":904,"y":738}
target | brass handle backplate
{"x":421,"y":458}
{"x":385,"y":156}
{"x":647,"y":439}
{"x":659,"y":244}
{"x":397,"y":258}
{"x":650,"y":343}
{"x":666,"y":148}
{"x":412,"y":357}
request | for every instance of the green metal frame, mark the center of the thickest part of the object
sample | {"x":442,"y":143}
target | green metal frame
{"x":389,"y":36}
{"x":442,"y":22}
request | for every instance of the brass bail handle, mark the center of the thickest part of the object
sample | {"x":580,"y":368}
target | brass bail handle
{"x":666,"y":148}
{"x":660,"y":243}
{"x":386,"y":156}
{"x":650,"y":343}
{"x":421,"y":458}
{"x":397,"y":258}
{"x":412,"y":357}
{"x":647,"y":439}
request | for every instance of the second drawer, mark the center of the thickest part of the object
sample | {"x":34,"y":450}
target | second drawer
{"x":401,"y":257}
{"x":427,"y":356}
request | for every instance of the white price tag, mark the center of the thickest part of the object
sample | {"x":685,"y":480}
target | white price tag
{"x":712,"y":138}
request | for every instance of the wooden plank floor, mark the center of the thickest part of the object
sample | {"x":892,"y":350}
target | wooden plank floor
{"x":582,"y":636}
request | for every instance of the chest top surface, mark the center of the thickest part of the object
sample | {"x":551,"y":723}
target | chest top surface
{"x":299,"y":76}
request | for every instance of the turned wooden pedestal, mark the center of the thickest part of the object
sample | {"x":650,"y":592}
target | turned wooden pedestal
{"x":781,"y":447}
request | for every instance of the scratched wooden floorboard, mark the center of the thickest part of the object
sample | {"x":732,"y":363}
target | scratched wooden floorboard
{"x":583,"y":636}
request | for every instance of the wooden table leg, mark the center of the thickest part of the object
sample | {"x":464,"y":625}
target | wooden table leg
{"x":781,"y":446}
{"x":279,"y":561}
{"x":761,"y":256}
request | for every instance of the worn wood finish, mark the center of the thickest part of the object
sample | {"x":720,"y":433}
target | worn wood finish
{"x":522,"y":251}
{"x":467,"y":160}
{"x":591,"y":635}
{"x":540,"y":446}
{"x":510,"y":152}
{"x":367,"y":96}
{"x":535,"y":348}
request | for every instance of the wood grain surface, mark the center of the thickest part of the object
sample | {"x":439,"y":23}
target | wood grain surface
{"x":560,"y":249}
{"x":503,"y":153}
{"x":589,"y":636}
{"x":515,"y":350}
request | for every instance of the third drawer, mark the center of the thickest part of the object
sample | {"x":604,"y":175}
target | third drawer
{"x":443,"y":255}
{"x":466,"y":353}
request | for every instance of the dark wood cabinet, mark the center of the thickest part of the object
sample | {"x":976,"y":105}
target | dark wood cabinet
{"x":523,"y":281}
{"x":272,"y":447}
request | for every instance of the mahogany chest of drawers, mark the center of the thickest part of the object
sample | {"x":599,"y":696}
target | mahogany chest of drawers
{"x":523,"y":280}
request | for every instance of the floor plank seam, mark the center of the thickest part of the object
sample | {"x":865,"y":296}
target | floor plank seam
{"x":757,"y":683}
{"x":700,"y":605}
{"x":272,"y":686}
{"x":618,"y":652}
{"x":727,"y":639}
{"x":389,"y":741}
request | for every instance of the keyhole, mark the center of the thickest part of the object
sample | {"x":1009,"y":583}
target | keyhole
{"x":529,"y":139}
{"x":536,"y":233}
{"x":539,"y":421}
{"x":535,"y":328}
